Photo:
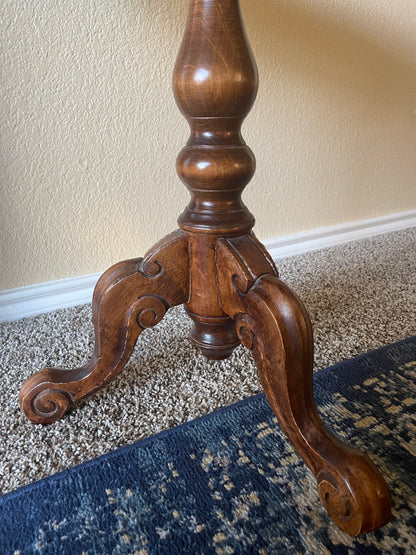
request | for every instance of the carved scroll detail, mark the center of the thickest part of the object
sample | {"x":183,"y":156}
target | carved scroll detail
{"x":273,"y":323}
{"x":50,"y":404}
{"x":151,"y":309}
{"x":150,"y":268}
{"x":129,"y":297}
{"x":245,"y":330}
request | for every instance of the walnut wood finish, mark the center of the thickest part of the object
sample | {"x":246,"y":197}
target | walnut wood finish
{"x":228,"y":283}
{"x":214,"y":88}
{"x":273,"y":323}
{"x":129,"y":297}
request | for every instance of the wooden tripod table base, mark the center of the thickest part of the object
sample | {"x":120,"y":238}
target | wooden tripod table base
{"x":216,"y":267}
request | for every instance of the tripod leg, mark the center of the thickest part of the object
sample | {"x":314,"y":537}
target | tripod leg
{"x":272,"y":322}
{"x":129,"y":297}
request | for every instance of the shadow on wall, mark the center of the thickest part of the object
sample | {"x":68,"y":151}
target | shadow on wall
{"x":313,"y":44}
{"x":328,"y":52}
{"x":297,"y":37}
{"x":338,"y":83}
{"x":166,"y":19}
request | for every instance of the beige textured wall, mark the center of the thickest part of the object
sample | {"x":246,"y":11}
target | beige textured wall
{"x":90,"y":131}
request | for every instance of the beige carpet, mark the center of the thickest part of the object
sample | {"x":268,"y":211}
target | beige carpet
{"x":360,"y":296}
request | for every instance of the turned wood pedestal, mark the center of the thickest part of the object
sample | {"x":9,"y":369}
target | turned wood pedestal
{"x":215,"y":266}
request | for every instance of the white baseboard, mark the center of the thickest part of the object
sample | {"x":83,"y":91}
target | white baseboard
{"x":45,"y":297}
{"x":322,"y":237}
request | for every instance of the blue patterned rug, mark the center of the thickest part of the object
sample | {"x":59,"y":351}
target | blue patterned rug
{"x":230,"y":482}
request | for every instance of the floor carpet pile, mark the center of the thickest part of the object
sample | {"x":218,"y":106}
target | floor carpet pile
{"x":230,"y":482}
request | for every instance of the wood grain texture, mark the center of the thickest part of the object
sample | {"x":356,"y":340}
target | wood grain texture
{"x":216,"y":267}
{"x":129,"y":297}
{"x":215,"y":83}
{"x":273,"y":323}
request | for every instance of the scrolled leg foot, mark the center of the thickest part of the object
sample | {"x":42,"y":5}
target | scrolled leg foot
{"x":129,"y":297}
{"x":357,"y":499}
{"x":43,"y":403}
{"x":273,"y":323}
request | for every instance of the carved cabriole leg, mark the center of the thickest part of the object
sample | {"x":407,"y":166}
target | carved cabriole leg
{"x":272,"y":322}
{"x":129,"y":297}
